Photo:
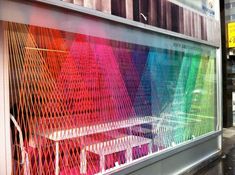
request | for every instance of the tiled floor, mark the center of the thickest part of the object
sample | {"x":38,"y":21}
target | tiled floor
{"x":226,"y":164}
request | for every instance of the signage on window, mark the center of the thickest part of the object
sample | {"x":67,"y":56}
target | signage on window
{"x":205,"y":6}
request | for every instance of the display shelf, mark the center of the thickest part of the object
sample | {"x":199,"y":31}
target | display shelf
{"x":58,"y":135}
{"x":114,"y":146}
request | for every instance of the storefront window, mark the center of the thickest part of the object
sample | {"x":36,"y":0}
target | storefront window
{"x":87,"y":104}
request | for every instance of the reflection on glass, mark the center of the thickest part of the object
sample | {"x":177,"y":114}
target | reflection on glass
{"x":85,"y":105}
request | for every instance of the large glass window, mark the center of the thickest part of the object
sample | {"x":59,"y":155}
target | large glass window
{"x":81,"y":104}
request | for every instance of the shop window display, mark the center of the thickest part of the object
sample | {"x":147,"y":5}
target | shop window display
{"x":81,"y":104}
